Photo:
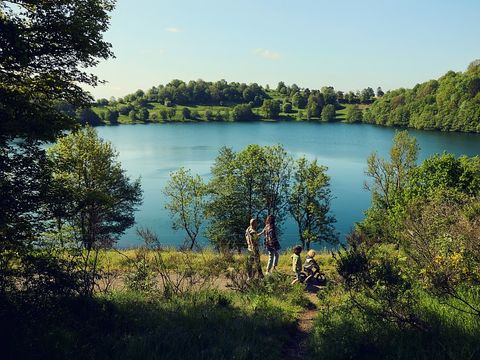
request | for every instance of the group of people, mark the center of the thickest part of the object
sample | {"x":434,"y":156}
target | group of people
{"x":272,"y":245}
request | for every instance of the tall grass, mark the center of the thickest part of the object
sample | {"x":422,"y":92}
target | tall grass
{"x":208,"y":324}
{"x":342,"y":331}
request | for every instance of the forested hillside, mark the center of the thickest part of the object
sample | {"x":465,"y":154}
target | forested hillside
{"x":451,"y":103}
{"x":222,"y":101}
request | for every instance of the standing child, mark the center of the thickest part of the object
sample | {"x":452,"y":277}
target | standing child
{"x":296,"y":263}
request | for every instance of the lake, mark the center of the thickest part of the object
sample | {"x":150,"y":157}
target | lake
{"x":153,"y":151}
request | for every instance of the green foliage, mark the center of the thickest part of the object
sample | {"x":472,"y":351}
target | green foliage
{"x":445,"y":172}
{"x":249,"y":184}
{"x":271,"y":109}
{"x":287,"y":107}
{"x":143,"y":114}
{"x":222,"y":101}
{"x":367,"y":95}
{"x":138,"y":326}
{"x":309,"y":203}
{"x":329,"y":95}
{"x":441,"y":239}
{"x":98,"y":198}
{"x":45,"y":49}
{"x":328,"y":113}
{"x":27,"y":202}
{"x":409,"y":280}
{"x":86,"y":116}
{"x":186,"y":113}
{"x":112,"y":116}
{"x":354,"y":114}
{"x":299,"y":100}
{"x":344,"y":331}
{"x":242,"y":112}
{"x":315,"y":105}
{"x":389,"y":179}
{"x":450,"y":103}
{"x":186,"y":194}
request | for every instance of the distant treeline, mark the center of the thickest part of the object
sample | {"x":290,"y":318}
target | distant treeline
{"x":451,"y":103}
{"x":222,"y":93}
{"x":222,"y":101}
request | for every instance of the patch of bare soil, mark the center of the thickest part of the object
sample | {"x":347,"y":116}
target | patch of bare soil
{"x":296,"y":348}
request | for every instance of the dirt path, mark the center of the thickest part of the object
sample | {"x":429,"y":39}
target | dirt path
{"x":296,"y":348}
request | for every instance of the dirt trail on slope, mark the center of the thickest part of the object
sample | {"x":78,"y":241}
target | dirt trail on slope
{"x":296,"y":348}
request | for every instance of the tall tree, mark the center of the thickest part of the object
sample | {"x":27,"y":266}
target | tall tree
{"x":225,"y":209}
{"x":328,"y":113}
{"x":45,"y":49}
{"x":101,"y":199}
{"x":367,"y":95}
{"x":249,"y":184}
{"x":390,"y":177}
{"x":330,"y":95}
{"x":309,"y":203}
{"x":186,"y":194}
{"x":315,"y":105}
{"x":388,"y":180}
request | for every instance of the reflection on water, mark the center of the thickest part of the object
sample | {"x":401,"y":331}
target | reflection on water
{"x":153,"y":151}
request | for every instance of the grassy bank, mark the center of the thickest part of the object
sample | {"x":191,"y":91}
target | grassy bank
{"x":142,"y":320}
{"x":342,"y":331}
{"x":140,"y":317}
{"x":133,"y":325}
{"x":120,"y":260}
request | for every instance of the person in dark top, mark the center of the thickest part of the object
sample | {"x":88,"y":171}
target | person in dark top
{"x":310,"y":266}
{"x":271,"y":243}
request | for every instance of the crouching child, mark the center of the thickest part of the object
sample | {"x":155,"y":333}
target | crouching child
{"x":311,"y":267}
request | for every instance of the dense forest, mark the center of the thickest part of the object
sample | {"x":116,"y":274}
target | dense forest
{"x":451,"y":103}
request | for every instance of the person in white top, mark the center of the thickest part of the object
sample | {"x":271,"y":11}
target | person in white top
{"x":253,"y":262}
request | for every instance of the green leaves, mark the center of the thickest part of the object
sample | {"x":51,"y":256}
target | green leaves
{"x":448,"y":104}
{"x":328,"y":113}
{"x":186,"y":194}
{"x":354,"y":114}
{"x":271,"y":108}
{"x":101,"y":197}
{"x":249,"y":184}
{"x":44,"y":51}
{"x":309,"y":203}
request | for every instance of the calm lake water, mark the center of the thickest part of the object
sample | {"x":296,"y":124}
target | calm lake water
{"x":153,"y":151}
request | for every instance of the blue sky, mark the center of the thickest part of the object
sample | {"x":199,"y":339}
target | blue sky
{"x":349,"y":44}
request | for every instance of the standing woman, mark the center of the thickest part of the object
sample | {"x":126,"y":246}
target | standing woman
{"x":271,"y":243}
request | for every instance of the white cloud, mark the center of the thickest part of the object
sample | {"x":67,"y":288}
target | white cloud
{"x":173,"y":30}
{"x":267,"y":54}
